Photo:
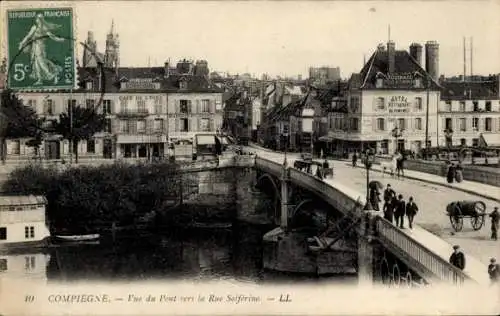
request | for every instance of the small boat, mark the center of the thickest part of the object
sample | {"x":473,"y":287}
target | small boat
{"x":77,"y":238}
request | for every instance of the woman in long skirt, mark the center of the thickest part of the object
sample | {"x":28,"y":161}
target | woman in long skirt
{"x":451,"y":173}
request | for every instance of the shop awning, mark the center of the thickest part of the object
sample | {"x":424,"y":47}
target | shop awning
{"x":489,"y":140}
{"x":205,"y":139}
{"x":140,"y":139}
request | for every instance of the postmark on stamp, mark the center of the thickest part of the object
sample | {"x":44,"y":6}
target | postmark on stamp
{"x":39,"y":40}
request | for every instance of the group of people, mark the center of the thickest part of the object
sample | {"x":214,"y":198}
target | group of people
{"x":395,"y":208}
{"x":454,"y":172}
{"x":457,"y":259}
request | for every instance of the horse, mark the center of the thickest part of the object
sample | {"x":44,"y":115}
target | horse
{"x":389,"y":165}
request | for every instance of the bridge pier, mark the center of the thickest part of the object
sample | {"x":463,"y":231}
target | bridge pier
{"x":366,"y":250}
{"x":285,"y":180}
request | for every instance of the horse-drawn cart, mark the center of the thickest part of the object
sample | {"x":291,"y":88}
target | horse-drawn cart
{"x":458,"y":210}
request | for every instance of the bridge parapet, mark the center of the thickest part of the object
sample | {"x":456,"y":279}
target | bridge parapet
{"x":429,"y":265}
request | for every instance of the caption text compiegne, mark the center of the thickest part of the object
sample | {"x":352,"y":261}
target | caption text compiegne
{"x":159,"y":298}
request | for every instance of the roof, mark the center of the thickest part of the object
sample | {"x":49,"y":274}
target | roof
{"x":295,"y":90}
{"x":453,"y":90}
{"x":403,"y":64}
{"x":15,"y":200}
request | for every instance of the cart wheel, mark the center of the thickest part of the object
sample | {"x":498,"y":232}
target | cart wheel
{"x":385,"y":272}
{"x":457,"y":222}
{"x":477,"y":222}
{"x":408,"y":279}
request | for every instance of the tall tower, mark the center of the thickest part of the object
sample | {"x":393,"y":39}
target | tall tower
{"x":416,"y":52}
{"x":432,"y":59}
{"x":112,"y":52}
{"x":90,"y":51}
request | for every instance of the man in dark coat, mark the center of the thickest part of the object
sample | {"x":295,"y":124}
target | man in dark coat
{"x":388,"y":193}
{"x":389,"y":209}
{"x":411,"y":211}
{"x":494,"y":271}
{"x":457,"y":258}
{"x":399,"y":212}
{"x":495,"y":218}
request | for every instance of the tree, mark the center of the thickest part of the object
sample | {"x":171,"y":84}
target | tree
{"x":79,"y":124}
{"x":17,"y":121}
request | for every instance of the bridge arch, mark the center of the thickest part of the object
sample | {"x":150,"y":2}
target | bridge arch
{"x":299,"y":207}
{"x":276,"y":212}
{"x":267,"y":177}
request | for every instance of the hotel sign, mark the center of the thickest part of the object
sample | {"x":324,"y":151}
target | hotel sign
{"x":398,"y":104}
{"x":404,"y":79}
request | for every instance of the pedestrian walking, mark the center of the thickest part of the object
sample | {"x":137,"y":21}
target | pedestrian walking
{"x":457,"y":258}
{"x":354,"y":159}
{"x":400,"y":165}
{"x":459,"y":177}
{"x":411,"y":211}
{"x":495,"y":218}
{"x":450,"y":176}
{"x":375,"y":198}
{"x":388,"y":193}
{"x":494,"y":271}
{"x":399,"y":212}
{"x":389,"y":209}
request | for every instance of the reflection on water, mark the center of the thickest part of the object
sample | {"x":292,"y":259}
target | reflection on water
{"x":234,"y":253}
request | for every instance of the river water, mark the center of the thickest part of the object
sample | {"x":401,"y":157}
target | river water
{"x":195,"y":254}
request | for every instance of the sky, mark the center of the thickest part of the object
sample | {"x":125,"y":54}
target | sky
{"x":287,"y":37}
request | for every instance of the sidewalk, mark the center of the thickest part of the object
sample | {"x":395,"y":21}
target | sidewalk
{"x":483,"y":190}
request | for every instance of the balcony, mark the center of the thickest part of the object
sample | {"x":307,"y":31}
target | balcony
{"x":133,"y":113}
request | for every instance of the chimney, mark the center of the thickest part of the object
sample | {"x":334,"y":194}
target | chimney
{"x":416,"y":52}
{"x":167,"y":69}
{"x":381,"y":47}
{"x":391,"y":56}
{"x":432,"y":59}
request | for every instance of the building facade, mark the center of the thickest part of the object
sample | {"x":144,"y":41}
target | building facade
{"x":391,"y":103}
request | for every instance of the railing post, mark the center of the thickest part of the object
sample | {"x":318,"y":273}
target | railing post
{"x":285,"y":179}
{"x":365,"y":250}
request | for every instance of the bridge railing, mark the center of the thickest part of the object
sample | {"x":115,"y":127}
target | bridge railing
{"x":431,"y":263}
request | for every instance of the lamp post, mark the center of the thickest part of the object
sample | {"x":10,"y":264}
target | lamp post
{"x":368,"y":162}
{"x":285,"y":137}
{"x":396,"y":133}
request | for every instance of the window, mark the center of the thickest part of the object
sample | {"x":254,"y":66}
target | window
{"x":48,"y":107}
{"x":379,"y":83}
{"x":476,"y":106}
{"x":183,"y":84}
{"x":475,"y":123}
{"x":16,"y":147}
{"x":107,"y":126}
{"x":205,"y":106}
{"x":3,"y":233}
{"x":475,"y":142}
{"x":29,"y":263}
{"x":123,"y":105}
{"x":380,"y":124}
{"x":3,"y":265}
{"x":462,"y":106}
{"x":447,"y":107}
{"x":141,"y":105}
{"x":88,"y":85}
{"x":380,"y":104}
{"x":487,"y":106}
{"x":158,"y":124}
{"x":463,"y":142}
{"x":124,"y":127}
{"x":205,"y":125}
{"x":448,"y":123}
{"x":218,"y":105}
{"x":184,"y":106}
{"x":29,"y":232}
{"x":106,"y":106}
{"x":90,"y":146}
{"x":354,"y":104}
{"x":418,"y":83}
{"x":462,"y":123}
{"x":487,"y":124}
{"x":32,"y":104}
{"x":418,"y":104}
{"x":184,"y":125}
{"x":354,"y":124}
{"x":418,"y":123}
{"x":141,"y":126}
{"x":89,"y":104}
{"x":157,"y":100}
{"x":71,"y":103}
{"x":401,"y":124}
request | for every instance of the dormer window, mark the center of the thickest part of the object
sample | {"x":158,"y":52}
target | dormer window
{"x":88,"y":85}
{"x":379,"y":83}
{"x":418,"y":83}
{"x":183,"y":83}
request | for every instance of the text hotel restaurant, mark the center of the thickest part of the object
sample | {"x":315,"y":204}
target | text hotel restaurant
{"x":387,"y":104}
{"x":146,"y":109}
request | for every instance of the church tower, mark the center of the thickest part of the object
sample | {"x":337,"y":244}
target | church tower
{"x":112,"y":52}
{"x":90,"y":51}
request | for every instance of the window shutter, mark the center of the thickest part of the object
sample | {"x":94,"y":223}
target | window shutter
{"x":374,"y":124}
{"x":190,"y":107}
{"x":374,"y":104}
{"x":176,"y":122}
{"x":177,"y":106}
{"x":189,"y":124}
{"x":212,"y":125}
{"x":197,"y":107}
{"x":212,"y":106}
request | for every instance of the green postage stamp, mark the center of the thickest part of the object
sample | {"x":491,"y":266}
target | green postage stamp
{"x":41,"y":48}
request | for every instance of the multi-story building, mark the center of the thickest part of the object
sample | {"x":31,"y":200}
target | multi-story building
{"x":146,"y":109}
{"x":322,"y":75}
{"x":392,"y":102}
{"x":469,"y":110}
